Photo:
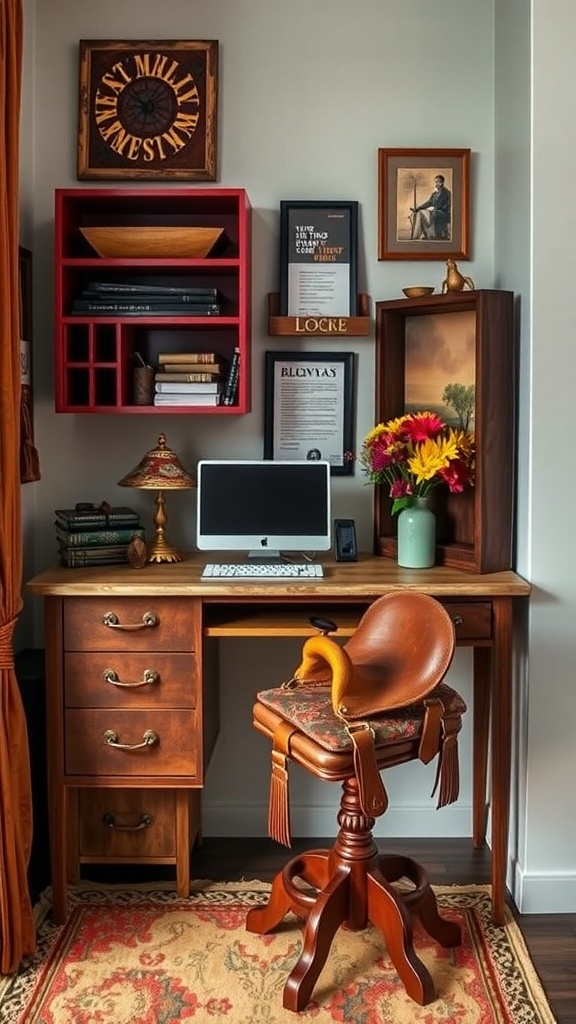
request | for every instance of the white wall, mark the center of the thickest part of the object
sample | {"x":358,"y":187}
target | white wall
{"x":550,"y":810}
{"x":308,"y":92}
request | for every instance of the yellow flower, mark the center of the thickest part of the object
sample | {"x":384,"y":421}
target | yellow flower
{"x":431,"y":456}
{"x":374,"y":433}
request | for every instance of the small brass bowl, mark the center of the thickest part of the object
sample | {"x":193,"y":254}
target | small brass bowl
{"x":417,"y":291}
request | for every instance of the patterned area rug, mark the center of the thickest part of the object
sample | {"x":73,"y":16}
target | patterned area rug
{"x":146,"y":956}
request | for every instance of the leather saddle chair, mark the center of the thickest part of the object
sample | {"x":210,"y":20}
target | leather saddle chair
{"x":349,"y":712}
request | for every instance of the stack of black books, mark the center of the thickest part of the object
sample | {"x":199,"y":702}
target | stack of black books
{"x":107,"y":298}
{"x":96,"y":534}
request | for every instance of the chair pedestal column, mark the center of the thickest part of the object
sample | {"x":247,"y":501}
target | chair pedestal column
{"x":351,"y":885}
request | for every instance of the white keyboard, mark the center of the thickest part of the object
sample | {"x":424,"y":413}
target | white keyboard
{"x":263,"y":571}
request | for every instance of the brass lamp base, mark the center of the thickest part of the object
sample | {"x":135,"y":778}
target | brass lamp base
{"x":160,"y":550}
{"x":163,"y":553}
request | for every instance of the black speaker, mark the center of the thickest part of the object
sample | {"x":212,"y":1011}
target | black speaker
{"x":345,"y":549}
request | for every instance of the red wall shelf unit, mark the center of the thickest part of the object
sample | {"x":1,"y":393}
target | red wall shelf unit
{"x":95,"y":354}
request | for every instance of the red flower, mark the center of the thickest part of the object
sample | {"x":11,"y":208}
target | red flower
{"x":457,"y":475}
{"x":421,"y":425}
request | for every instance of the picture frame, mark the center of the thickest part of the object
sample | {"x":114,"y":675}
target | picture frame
{"x":309,"y":407}
{"x":318,"y":258}
{"x":147,"y":110}
{"x":29,"y":462}
{"x":421,"y":347}
{"x":423,"y":204}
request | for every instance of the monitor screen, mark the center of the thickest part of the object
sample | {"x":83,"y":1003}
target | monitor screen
{"x":263,"y":507}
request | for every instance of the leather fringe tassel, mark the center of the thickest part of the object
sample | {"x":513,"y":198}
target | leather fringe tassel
{"x":448,"y":773}
{"x":278,"y":804}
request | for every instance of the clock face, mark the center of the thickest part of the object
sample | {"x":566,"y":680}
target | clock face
{"x":147,"y":110}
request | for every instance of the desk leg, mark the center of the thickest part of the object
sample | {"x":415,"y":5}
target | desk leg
{"x":501,"y":720}
{"x":183,"y":842}
{"x":481,"y":727}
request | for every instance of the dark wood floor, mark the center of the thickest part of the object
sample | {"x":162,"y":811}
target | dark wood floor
{"x":551,"y":938}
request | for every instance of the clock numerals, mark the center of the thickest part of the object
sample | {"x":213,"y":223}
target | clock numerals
{"x":138,"y":108}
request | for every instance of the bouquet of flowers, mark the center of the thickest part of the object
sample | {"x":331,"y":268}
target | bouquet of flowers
{"x":414,"y":453}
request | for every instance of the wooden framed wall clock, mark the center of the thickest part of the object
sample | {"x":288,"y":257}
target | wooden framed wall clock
{"x":148,"y":109}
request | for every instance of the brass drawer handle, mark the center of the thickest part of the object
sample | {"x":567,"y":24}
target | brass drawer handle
{"x":110,"y":821}
{"x":457,"y":620}
{"x":111,"y":619}
{"x":148,"y":676}
{"x":148,"y":740}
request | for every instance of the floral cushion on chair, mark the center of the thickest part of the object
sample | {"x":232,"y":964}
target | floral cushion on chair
{"x":310,"y":709}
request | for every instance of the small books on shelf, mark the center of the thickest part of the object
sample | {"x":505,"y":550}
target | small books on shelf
{"x":187,"y":357}
{"x":190,"y":398}
{"x":230,"y":395}
{"x":139,"y":288}
{"x":214,"y":369}
{"x":188,"y":387}
{"x":196,"y":378}
{"x":103,"y":299}
{"x":190,"y":362}
{"x":186,"y":377}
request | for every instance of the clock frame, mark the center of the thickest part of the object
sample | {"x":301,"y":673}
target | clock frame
{"x":148,"y":110}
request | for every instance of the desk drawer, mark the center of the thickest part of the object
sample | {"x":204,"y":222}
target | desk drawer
{"x":135,"y":826}
{"x":130,"y":624}
{"x":127,"y":824}
{"x":173,"y":749}
{"x":106,"y":680}
{"x":472,"y":619}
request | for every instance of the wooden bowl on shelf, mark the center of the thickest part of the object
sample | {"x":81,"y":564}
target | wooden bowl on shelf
{"x":152,"y":242}
{"x":417,"y":291}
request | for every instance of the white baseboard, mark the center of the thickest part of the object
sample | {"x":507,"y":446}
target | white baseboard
{"x":553,"y":893}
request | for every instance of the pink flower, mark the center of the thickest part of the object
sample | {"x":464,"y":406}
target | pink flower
{"x":400,"y":489}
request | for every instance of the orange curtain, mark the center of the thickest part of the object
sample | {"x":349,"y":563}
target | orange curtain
{"x":17,"y":933}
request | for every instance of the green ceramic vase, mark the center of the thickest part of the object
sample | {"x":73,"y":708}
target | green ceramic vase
{"x":416,"y":536}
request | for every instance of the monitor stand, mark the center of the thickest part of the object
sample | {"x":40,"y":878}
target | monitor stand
{"x":266,"y":555}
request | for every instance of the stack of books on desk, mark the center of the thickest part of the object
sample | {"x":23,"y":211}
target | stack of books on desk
{"x":96,"y":535}
{"x":189,"y":378}
{"x":101,"y":298}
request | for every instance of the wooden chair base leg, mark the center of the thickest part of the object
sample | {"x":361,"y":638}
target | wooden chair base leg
{"x":351,"y":885}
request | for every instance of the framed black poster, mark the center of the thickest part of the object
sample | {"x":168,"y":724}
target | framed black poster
{"x":309,"y":407}
{"x":318,"y":258}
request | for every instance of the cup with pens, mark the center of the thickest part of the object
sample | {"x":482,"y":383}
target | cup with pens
{"x":143,"y":380}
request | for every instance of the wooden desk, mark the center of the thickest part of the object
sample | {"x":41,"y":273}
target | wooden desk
{"x":79,"y":642}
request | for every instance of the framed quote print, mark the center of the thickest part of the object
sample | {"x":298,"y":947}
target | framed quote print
{"x":309,"y":410}
{"x":148,"y":109}
{"x":423,"y":204}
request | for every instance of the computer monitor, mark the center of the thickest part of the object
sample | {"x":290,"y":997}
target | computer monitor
{"x":263,"y":507}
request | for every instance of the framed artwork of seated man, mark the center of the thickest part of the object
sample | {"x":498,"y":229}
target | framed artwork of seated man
{"x":423,"y":204}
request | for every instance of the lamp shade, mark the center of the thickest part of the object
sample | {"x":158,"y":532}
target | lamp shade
{"x":159,"y":469}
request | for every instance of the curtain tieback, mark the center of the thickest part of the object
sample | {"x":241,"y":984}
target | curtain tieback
{"x":6,"y":648}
